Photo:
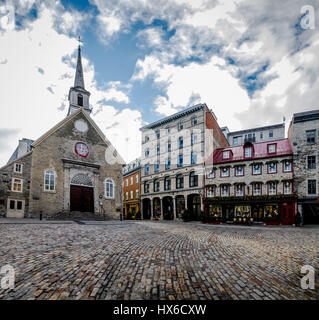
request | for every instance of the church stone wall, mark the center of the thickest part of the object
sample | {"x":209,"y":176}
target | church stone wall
{"x":57,"y":153}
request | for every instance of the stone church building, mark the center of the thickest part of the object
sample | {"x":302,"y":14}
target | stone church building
{"x":71,"y":168}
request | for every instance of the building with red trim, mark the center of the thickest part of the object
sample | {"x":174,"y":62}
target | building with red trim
{"x":249,"y":182}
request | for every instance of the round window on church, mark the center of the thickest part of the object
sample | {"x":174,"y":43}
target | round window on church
{"x":82,"y":149}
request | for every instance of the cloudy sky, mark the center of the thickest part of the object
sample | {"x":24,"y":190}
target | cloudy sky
{"x":250,"y":61}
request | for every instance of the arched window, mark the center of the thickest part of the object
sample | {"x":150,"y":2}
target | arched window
{"x":167,"y":183}
{"x":49,"y":180}
{"x":179,"y":181}
{"x":193,"y":179}
{"x":109,"y":188}
{"x":80,"y":100}
{"x":156,"y":185}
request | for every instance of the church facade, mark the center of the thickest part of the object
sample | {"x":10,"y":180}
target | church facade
{"x":71,"y":168}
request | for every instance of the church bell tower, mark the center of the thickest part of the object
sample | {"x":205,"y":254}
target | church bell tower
{"x":78,"y":96}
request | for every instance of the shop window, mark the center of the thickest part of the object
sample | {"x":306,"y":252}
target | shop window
{"x":272,"y":213}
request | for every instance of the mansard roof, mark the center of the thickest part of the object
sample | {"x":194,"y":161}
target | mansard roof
{"x":260,"y":151}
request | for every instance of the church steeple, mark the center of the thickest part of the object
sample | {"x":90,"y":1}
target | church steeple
{"x":78,"y":96}
{"x":79,"y":80}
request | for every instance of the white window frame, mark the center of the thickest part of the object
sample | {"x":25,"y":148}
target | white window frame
{"x":15,"y":166}
{"x":284,"y":166}
{"x":259,"y":172}
{"x":285,"y":188}
{"x":131,"y":180}
{"x":226,"y":154}
{"x":259,"y":189}
{"x":54,"y":181}
{"x":225,"y":174}
{"x":275,"y":167}
{"x":250,"y":153}
{"x":127,"y":182}
{"x":222,"y":191}
{"x":136,"y":193}
{"x":12,"y":184}
{"x":111,"y":195}
{"x":211,"y":192}
{"x":132,"y":195}
{"x":270,"y":146}
{"x":272,"y":192}
{"x":237,"y":192}
{"x":242,"y":171}
{"x":136,"y":178}
{"x":126,"y":195}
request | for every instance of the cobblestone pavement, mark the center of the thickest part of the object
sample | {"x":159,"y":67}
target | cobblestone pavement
{"x":157,"y":260}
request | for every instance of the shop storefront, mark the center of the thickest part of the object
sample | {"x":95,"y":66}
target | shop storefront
{"x":267,"y":210}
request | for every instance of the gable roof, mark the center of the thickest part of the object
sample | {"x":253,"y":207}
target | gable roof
{"x":260,"y":152}
{"x":69,"y":118}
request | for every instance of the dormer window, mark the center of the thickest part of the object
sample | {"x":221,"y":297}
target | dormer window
{"x":272,"y":148}
{"x":80,"y":100}
{"x":248,"y":152}
{"x":226,"y":154}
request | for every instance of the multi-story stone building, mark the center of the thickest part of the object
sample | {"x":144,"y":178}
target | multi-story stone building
{"x":173,"y":157}
{"x":304,"y":136}
{"x":132,"y":189}
{"x":260,"y":134}
{"x":73,"y":167}
{"x":254,"y":180}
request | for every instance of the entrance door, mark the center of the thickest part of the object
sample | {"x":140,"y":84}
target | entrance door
{"x":81,"y":199}
{"x":287,"y":216}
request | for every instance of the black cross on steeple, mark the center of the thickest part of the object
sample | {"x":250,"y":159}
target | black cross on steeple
{"x":80,"y":41}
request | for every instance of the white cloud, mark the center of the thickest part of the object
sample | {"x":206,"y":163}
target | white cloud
{"x":205,"y":83}
{"x":39,"y":61}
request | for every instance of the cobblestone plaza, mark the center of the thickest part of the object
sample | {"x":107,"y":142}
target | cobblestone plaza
{"x":157,"y":260}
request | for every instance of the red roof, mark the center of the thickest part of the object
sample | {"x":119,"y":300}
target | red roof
{"x":260,"y":151}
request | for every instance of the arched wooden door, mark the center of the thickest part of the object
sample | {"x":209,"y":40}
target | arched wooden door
{"x":81,"y":194}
